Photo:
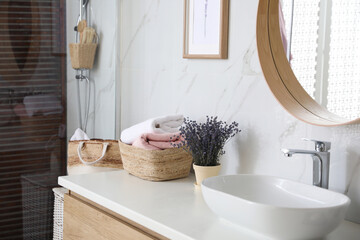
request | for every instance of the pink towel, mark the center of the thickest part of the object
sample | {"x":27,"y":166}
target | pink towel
{"x":157,"y":141}
{"x":20,"y":110}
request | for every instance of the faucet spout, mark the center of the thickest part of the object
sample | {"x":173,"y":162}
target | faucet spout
{"x":321,"y":162}
{"x":290,"y":152}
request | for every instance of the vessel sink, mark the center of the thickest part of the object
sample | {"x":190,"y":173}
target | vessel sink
{"x":275,"y":207}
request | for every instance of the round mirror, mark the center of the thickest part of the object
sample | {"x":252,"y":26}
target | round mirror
{"x":310,"y":55}
{"x":322,"y":43}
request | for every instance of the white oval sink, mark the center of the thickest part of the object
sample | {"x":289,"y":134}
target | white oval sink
{"x":275,"y":207}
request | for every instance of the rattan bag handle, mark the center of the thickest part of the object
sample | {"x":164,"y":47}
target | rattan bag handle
{"x":81,"y":144}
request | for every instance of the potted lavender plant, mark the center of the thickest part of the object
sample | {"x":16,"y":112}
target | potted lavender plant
{"x":205,"y":142}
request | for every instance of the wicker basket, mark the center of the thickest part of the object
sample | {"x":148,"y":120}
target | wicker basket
{"x":155,"y":165}
{"x":59,"y":212}
{"x":37,"y":202}
{"x":91,"y":151}
{"x":82,"y":55}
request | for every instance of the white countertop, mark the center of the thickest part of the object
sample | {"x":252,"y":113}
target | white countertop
{"x":174,"y":209}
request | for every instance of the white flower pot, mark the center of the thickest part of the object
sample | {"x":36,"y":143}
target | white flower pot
{"x":203,"y":172}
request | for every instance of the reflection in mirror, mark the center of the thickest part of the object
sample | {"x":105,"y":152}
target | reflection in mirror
{"x":321,"y":39}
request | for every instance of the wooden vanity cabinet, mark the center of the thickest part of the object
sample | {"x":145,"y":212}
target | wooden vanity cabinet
{"x":84,"y":219}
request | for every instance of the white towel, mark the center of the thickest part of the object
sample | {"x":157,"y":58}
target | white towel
{"x":165,"y":124}
{"x":42,"y":104}
{"x":79,"y":135}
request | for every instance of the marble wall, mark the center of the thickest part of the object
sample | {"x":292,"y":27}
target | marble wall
{"x":156,"y":80}
{"x":103,"y":16}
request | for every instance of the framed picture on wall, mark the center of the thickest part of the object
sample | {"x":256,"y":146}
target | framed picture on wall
{"x":206,"y":26}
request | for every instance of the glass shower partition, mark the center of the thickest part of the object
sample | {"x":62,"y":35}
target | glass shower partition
{"x":32,"y":114}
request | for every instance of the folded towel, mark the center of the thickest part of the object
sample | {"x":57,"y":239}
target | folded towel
{"x":42,"y":104}
{"x":166,"y":124}
{"x":157,"y":141}
{"x":79,"y":135}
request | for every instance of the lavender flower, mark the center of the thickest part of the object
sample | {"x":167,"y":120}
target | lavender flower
{"x":205,"y":141}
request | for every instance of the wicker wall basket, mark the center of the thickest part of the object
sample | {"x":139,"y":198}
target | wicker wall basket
{"x":155,"y":165}
{"x":82,"y":55}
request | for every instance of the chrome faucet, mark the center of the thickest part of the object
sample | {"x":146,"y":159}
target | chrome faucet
{"x":321,"y":161}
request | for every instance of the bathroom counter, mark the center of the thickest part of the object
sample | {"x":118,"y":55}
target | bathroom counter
{"x":174,"y":209}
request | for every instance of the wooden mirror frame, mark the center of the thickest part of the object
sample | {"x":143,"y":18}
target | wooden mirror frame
{"x":279,"y":75}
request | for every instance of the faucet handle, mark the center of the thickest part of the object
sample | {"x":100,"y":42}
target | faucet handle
{"x":320,"y":146}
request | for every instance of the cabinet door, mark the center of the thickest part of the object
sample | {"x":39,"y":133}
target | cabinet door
{"x":84,"y":221}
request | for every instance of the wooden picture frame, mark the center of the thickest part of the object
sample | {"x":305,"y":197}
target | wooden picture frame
{"x":206,"y":27}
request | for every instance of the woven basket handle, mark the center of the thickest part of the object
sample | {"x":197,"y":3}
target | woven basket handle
{"x":81,"y":144}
